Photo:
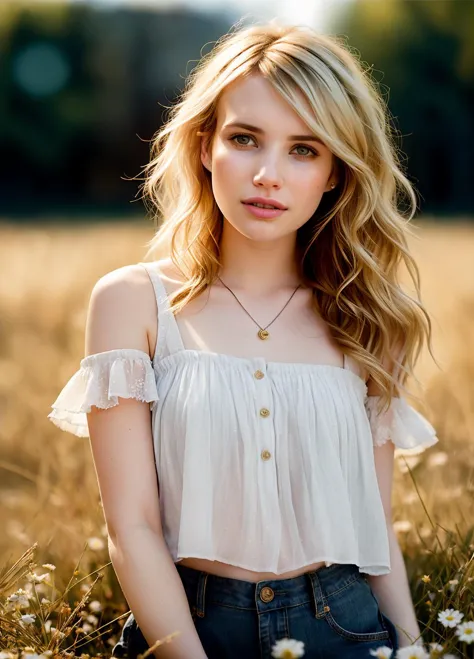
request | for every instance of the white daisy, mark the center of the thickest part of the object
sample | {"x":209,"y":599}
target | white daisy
{"x":412,"y":652}
{"x":19,"y":599}
{"x":288,"y":648}
{"x":382,"y":653}
{"x":450,"y":617}
{"x":96,"y":544}
{"x":28,"y":619}
{"x":465,"y":631}
{"x":402,"y":526}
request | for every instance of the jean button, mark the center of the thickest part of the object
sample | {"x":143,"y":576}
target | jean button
{"x":266,"y":594}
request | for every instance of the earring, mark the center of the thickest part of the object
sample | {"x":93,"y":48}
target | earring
{"x":333,"y":185}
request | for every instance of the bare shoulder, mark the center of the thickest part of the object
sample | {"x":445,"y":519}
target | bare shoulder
{"x":122,"y":310}
{"x":172,"y":276}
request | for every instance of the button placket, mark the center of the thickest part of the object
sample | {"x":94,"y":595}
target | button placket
{"x":264,"y":410}
{"x":266,"y":467}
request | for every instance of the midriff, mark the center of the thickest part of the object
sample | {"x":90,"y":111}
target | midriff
{"x":234,"y":572}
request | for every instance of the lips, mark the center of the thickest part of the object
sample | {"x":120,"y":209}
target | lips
{"x":267,"y":202}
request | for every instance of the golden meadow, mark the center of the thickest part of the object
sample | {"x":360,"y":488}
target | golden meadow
{"x":50,"y":512}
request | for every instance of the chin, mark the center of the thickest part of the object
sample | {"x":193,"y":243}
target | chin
{"x":261,"y":231}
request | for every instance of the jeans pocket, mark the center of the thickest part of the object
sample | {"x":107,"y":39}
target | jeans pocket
{"x":131,"y":642}
{"x":392,"y":632}
{"x":354,"y":613}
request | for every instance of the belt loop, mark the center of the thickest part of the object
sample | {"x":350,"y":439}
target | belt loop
{"x":320,"y":603}
{"x":200,"y":595}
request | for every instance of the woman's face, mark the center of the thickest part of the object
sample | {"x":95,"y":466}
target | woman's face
{"x":265,"y":161}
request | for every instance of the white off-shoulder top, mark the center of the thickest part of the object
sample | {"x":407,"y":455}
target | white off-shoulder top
{"x":268,"y":466}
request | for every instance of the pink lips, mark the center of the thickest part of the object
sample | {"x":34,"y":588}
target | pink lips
{"x":265,"y":213}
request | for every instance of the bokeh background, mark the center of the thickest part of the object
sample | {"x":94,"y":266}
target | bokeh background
{"x":83,"y":88}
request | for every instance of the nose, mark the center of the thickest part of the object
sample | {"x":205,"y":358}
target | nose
{"x":268,"y":175}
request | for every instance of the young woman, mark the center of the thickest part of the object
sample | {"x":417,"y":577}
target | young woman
{"x":243,"y":394}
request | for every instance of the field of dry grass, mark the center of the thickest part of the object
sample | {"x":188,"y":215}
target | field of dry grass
{"x":48,"y":488}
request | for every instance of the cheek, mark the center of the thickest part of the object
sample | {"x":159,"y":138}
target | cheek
{"x":229,"y":163}
{"x":308,"y":182}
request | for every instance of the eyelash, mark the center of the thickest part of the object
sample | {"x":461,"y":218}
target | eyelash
{"x":232,"y":138}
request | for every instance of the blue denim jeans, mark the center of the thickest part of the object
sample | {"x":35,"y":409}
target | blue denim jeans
{"x":333,"y":610}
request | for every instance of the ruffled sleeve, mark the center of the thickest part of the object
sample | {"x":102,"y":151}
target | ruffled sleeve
{"x":401,"y":423}
{"x":100,"y":380}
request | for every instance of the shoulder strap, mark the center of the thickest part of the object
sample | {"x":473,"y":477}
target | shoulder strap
{"x":168,"y":339}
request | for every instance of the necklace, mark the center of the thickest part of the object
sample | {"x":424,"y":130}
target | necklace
{"x":262,"y":332}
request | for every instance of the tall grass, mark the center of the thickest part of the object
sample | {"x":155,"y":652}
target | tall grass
{"x":49,"y":497}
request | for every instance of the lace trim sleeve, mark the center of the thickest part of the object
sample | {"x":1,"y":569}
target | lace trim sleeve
{"x":101,"y":379}
{"x":401,"y":423}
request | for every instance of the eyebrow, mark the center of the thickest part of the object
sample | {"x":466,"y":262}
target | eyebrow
{"x":255,"y":129}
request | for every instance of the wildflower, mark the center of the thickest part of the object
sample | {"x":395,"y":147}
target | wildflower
{"x":382,"y":653}
{"x":450,"y":617}
{"x":19,"y":599}
{"x":465,"y":631}
{"x":288,"y":648}
{"x":6,"y":655}
{"x":437,"y":459}
{"x":49,"y":566}
{"x":95,"y":606}
{"x":45,"y":600}
{"x":426,"y":578}
{"x":452,"y":584}
{"x":402,"y":526}
{"x":92,"y":619}
{"x":28,"y":619}
{"x":37,"y":578}
{"x":412,"y":652}
{"x":57,"y":632}
{"x":436,"y":648}
{"x":96,"y":544}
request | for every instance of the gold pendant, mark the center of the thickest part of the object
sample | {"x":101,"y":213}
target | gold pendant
{"x":263,"y":334}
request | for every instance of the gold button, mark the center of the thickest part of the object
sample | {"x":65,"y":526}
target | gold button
{"x":265,"y":454}
{"x":259,"y":375}
{"x":264,"y":412}
{"x":266,"y":594}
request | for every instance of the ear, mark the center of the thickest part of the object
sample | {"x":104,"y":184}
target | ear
{"x":205,"y":151}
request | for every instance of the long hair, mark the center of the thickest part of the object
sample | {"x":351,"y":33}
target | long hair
{"x":350,"y":250}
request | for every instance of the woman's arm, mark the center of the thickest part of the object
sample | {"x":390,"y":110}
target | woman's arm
{"x":392,"y":590}
{"x":120,"y":309}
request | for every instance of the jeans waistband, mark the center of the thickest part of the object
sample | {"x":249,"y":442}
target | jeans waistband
{"x":264,"y":596}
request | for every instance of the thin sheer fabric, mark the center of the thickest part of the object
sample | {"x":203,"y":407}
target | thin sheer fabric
{"x":267,"y":473}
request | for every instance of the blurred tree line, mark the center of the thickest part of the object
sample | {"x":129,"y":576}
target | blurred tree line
{"x":82,"y":92}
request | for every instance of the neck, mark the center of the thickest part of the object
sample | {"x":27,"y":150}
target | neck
{"x":258,"y":267}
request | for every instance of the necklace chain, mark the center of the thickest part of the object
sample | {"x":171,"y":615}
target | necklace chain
{"x":262,"y":333}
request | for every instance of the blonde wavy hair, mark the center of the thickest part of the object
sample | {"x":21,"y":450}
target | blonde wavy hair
{"x":358,"y":227}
